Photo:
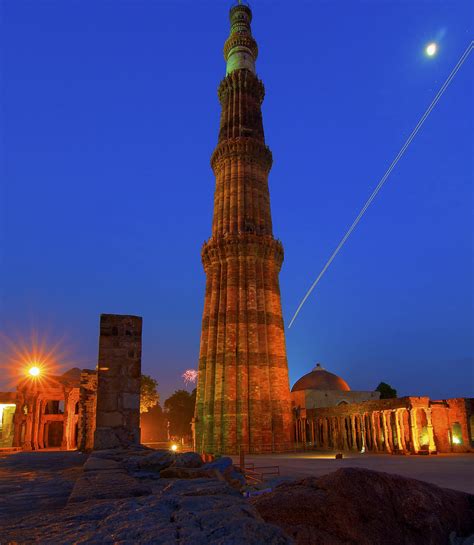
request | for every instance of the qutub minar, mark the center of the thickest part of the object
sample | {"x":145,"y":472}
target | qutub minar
{"x":243,"y":395}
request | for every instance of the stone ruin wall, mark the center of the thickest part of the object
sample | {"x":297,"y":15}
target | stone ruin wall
{"x":118,"y":381}
{"x":445,"y":414}
{"x":410,"y":416}
{"x":87,"y":410}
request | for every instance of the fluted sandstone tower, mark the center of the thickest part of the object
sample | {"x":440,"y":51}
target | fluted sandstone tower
{"x":243,"y":396}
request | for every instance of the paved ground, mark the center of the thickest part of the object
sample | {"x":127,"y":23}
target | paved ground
{"x":32,"y":482}
{"x":447,"y":470}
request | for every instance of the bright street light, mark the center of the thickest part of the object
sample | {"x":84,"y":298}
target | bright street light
{"x":34,"y":371}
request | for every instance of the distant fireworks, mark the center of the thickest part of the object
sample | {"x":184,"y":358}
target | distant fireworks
{"x":190,"y":376}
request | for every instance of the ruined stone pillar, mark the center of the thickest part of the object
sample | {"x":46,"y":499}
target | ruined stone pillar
{"x":27,"y":445}
{"x":401,"y":413}
{"x":415,"y":440}
{"x":46,"y":434}
{"x":87,"y":410}
{"x":386,"y":435}
{"x":354,"y":433}
{"x":369,"y":435}
{"x":325,"y":433}
{"x":345,"y":438}
{"x":64,"y":442}
{"x":118,"y":381}
{"x":362,"y":433}
{"x":70,"y":422}
{"x":395,"y":432}
{"x":35,"y":423}
{"x":429,"y":426}
{"x":41,"y":425}
{"x":398,"y":430}
{"x":375,"y":435}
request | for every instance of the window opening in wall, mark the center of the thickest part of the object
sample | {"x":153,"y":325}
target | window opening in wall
{"x":54,"y":406}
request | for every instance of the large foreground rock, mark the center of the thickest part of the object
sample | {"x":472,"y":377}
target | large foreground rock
{"x":180,"y":512}
{"x":362,"y":507}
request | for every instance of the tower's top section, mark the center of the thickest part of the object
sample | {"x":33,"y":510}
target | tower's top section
{"x":240,"y":49}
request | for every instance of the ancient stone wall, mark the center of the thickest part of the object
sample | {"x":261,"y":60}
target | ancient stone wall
{"x":451,"y":419}
{"x":87,"y":409}
{"x":330,"y":398}
{"x":402,"y":425}
{"x":118,"y":385}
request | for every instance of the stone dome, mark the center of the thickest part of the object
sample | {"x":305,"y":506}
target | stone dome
{"x":74,"y":373}
{"x":320,"y":379}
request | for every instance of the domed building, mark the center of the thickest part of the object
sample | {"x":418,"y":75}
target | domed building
{"x":329,"y":415}
{"x":320,"y":388}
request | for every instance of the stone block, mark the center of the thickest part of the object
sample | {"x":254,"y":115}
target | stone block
{"x":110,"y":419}
{"x":131,"y":401}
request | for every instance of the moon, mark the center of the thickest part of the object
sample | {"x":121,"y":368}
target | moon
{"x":431,"y":49}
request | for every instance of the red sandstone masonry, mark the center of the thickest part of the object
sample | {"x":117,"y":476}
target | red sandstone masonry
{"x":87,"y":410}
{"x":401,"y":425}
{"x":243,"y":396}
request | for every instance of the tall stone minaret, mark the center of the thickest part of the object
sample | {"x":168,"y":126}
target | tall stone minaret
{"x":243,"y":395}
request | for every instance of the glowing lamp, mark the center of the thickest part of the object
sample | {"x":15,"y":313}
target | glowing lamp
{"x":174,"y":448}
{"x":34,"y":371}
{"x":456,"y":440}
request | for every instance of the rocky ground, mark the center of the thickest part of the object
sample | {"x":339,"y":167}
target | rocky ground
{"x":144,"y":497}
{"x":36,"y":482}
{"x":141,"y":496}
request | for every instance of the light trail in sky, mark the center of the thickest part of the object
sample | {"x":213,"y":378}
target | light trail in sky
{"x":384,"y":178}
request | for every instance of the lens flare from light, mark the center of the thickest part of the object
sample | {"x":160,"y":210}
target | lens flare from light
{"x":34,"y":358}
{"x":174,"y":448}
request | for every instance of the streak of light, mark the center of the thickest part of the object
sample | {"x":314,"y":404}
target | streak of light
{"x":436,"y":99}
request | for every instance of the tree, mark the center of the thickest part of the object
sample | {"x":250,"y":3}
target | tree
{"x":180,"y":410}
{"x":154,"y":425}
{"x":149,"y":396}
{"x":386,"y":391}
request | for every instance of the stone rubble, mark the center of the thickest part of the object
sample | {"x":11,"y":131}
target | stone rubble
{"x":121,"y":497}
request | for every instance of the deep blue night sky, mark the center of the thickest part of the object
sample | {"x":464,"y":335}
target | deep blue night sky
{"x":110,"y":115}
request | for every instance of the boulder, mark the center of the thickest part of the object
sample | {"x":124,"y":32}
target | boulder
{"x":221,"y":464}
{"x":368,"y":508}
{"x":187,"y":473}
{"x":188,"y":459}
{"x":111,"y":484}
{"x":155,"y":461}
{"x":221,"y":468}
